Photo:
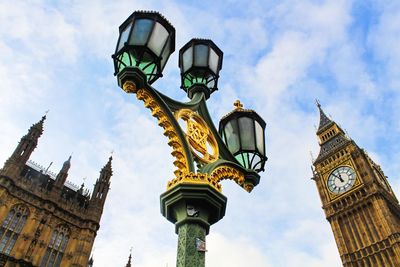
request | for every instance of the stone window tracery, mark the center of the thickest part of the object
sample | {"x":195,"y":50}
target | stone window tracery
{"x":56,"y":247}
{"x":11,"y":227}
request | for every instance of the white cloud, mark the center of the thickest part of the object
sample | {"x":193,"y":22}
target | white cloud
{"x":234,"y":252}
{"x":384,"y":37}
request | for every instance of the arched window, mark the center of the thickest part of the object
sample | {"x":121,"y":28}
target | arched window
{"x":55,"y":249}
{"x":11,"y":227}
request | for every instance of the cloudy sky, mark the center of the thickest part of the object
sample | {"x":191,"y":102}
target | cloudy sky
{"x":278,"y":57}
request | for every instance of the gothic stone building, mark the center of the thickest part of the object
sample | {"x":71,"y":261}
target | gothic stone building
{"x":45,"y":220}
{"x":357,"y":199}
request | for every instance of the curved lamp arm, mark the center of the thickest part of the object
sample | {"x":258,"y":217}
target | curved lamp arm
{"x":160,"y":110}
{"x":211,"y":170}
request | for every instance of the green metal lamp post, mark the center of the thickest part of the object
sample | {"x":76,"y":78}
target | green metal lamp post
{"x":203,"y":155}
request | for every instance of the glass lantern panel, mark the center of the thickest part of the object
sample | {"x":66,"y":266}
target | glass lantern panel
{"x":165,"y":54}
{"x":232,"y":136}
{"x":141,"y":31}
{"x":243,"y":159}
{"x":187,"y":81}
{"x":200,"y":55}
{"x":199,"y":80}
{"x":213,"y":63}
{"x":260,"y":138}
{"x":187,"y":59}
{"x":210,"y":82}
{"x":246,"y":126}
{"x":255,"y":163}
{"x":158,"y":38}
{"x":124,"y":36}
{"x":125,"y":60}
{"x":151,"y":72}
{"x":146,"y":64}
{"x":222,"y":133}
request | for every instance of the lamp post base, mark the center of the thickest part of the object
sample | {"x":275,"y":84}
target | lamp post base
{"x":190,"y":251}
{"x":192,"y":208}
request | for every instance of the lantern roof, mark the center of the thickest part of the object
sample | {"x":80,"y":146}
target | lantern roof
{"x":205,"y":42}
{"x":240,"y":111}
{"x":151,"y":14}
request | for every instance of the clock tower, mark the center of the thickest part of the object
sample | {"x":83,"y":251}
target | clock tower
{"x":357,"y":200}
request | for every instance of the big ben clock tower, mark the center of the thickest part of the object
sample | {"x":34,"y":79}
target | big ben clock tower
{"x":357,"y":199}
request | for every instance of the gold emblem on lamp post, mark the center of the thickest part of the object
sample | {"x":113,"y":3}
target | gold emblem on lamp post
{"x":200,"y":138}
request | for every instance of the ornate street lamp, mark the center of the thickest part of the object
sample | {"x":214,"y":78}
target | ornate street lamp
{"x":146,"y":40}
{"x":243,"y":131}
{"x":200,"y":61}
{"x":203,"y":157}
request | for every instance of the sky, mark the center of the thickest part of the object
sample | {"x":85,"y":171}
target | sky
{"x":279,"y":56}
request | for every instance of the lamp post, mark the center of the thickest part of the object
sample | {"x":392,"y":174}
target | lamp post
{"x":203,"y":155}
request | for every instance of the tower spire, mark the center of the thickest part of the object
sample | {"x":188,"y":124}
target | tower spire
{"x":102,"y":186}
{"x":63,"y":174}
{"x":129,"y":264}
{"x":106,"y":171}
{"x":331,"y":136}
{"x":324,"y":121}
{"x":90,"y":262}
{"x":24,"y":149}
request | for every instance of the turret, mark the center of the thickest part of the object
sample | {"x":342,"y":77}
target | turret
{"x":330,"y":134}
{"x":102,"y":186}
{"x":23,"y":151}
{"x":63,"y":174}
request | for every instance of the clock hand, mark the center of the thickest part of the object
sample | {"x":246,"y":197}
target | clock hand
{"x":339,"y":177}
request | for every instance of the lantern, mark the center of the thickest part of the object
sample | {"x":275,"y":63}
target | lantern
{"x":200,"y":61}
{"x":243,"y":132}
{"x":146,"y":40}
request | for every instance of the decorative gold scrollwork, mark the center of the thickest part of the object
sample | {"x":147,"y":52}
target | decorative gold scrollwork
{"x":213,"y":179}
{"x":201,"y":140}
{"x":195,"y":178}
{"x":181,"y":161}
{"x":129,"y":87}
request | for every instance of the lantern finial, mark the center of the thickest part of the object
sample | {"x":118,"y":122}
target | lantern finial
{"x":238,"y":104}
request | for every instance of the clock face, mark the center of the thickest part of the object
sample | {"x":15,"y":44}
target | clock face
{"x":341,"y":179}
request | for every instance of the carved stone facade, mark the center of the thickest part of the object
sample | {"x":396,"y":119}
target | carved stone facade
{"x":357,"y":199}
{"x":44,"y":219}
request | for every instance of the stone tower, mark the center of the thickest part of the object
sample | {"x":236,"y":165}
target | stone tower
{"x":44,"y":219}
{"x":357,"y":199}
